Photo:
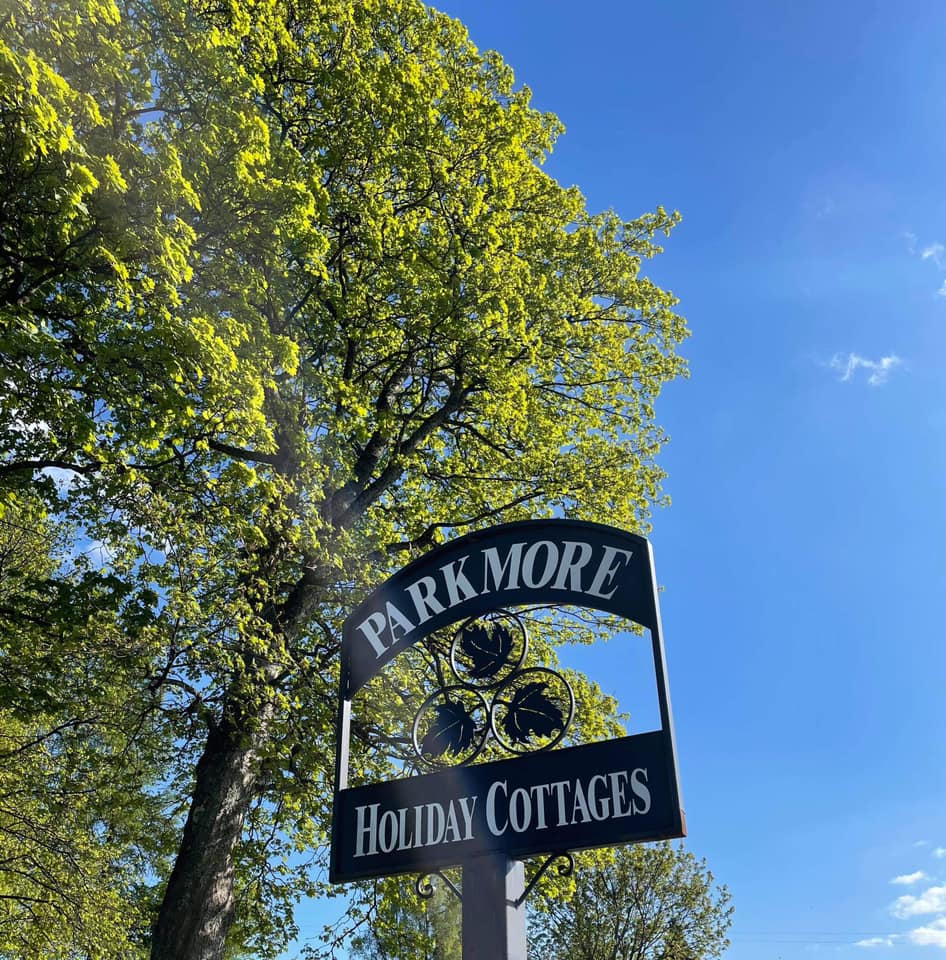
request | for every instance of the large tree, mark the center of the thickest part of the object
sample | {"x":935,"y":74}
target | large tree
{"x":285,"y":298}
{"x":644,"y":903}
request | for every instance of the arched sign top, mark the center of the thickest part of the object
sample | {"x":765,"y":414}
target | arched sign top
{"x":530,"y":562}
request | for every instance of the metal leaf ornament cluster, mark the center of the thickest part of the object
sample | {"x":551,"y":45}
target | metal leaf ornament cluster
{"x":529,"y":709}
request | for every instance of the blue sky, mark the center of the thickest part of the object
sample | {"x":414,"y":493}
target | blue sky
{"x":803,"y":556}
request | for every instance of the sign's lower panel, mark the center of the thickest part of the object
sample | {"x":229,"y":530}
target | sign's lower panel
{"x":599,"y":794}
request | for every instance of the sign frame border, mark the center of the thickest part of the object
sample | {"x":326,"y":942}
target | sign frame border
{"x":534,"y":527}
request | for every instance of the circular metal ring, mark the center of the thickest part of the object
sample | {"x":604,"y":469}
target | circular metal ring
{"x":444,"y":692}
{"x":511,"y":669}
{"x":515,"y":678}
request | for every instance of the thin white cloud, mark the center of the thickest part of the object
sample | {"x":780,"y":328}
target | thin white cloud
{"x":906,"y":879}
{"x":932,"y":900}
{"x":931,"y":935}
{"x":875,"y":942}
{"x":934,"y":252}
{"x":940,"y":853}
{"x":921,"y":843}
{"x":880,"y":369}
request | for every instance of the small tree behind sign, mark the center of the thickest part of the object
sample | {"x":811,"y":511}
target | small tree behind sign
{"x":532,"y":798}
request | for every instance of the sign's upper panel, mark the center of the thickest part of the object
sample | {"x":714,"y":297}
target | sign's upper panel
{"x":530,"y":562}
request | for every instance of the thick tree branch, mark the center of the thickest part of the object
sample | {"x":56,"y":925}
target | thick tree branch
{"x":395,"y":468}
{"x":239,"y":453}
{"x":31,"y":466}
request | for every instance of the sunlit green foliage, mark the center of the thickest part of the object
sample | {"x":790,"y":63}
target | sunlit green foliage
{"x":643,"y":903}
{"x":83,"y":823}
{"x":652,"y":902}
{"x":285,"y":298}
{"x":397,"y":923}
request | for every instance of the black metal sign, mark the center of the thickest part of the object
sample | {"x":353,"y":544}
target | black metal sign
{"x":533,"y":562}
{"x":552,"y":801}
{"x":599,"y":794}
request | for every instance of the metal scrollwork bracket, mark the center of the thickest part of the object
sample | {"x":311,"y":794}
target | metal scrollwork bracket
{"x":425,"y":889}
{"x":564,"y":869}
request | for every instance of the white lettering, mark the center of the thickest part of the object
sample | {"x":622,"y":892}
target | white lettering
{"x":600,"y":797}
{"x":467,"y":811}
{"x":509,"y":567}
{"x":404,"y":843}
{"x":452,"y":826}
{"x":519,"y":818}
{"x":372,"y":628}
{"x":580,"y":805}
{"x":491,"y":821}
{"x":456,"y":580}
{"x":528,"y":564}
{"x":640,"y":790}
{"x":370,"y":829}
{"x":606,"y":571}
{"x":600,"y":806}
{"x":559,"y":788}
{"x":434,"y":813}
{"x":572,"y":568}
{"x":618,"y":799}
{"x":426,"y":604}
{"x":542,"y":789}
{"x":397,"y":619}
{"x":387,"y":839}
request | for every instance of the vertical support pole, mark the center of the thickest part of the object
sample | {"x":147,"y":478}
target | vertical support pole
{"x":663,"y":697}
{"x":494,"y":928}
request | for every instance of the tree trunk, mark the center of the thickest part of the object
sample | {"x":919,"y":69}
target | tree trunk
{"x":198,"y":906}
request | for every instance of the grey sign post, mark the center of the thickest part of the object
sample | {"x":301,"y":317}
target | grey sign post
{"x":490,"y":883}
{"x":486,"y":817}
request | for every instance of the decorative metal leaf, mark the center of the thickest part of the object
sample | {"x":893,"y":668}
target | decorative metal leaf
{"x":451,"y":731}
{"x":487,"y":649}
{"x":531,"y":713}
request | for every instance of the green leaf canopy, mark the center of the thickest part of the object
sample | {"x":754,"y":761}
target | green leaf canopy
{"x":286,"y":297}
